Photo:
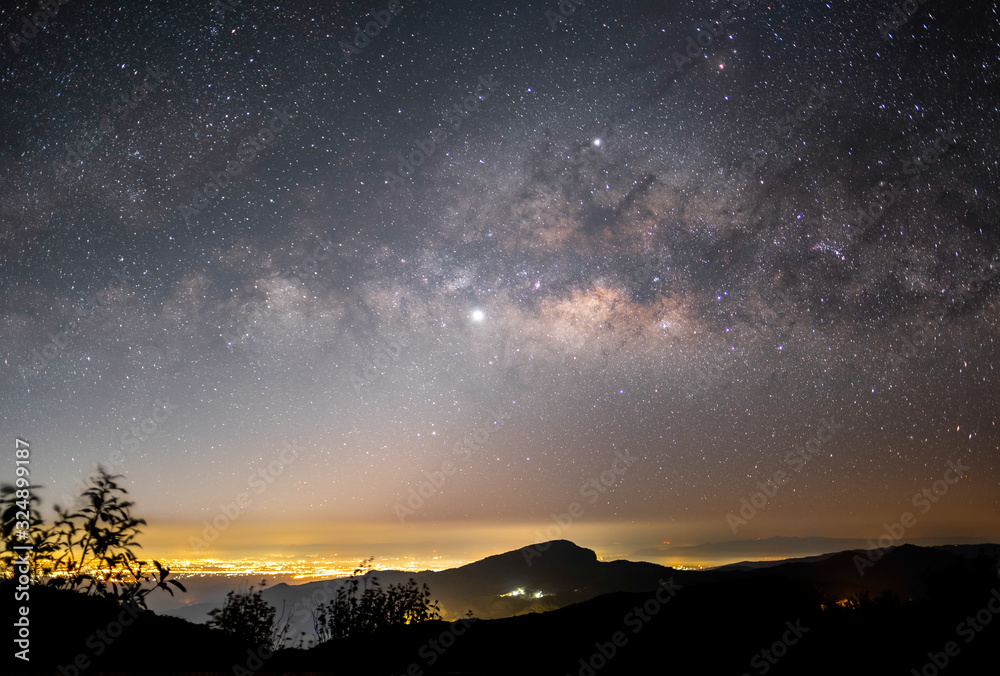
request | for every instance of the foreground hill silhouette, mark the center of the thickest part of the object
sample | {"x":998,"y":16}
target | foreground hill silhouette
{"x":715,"y":621}
{"x":563,"y":574}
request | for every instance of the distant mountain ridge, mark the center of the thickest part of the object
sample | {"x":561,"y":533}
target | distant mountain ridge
{"x":560,"y":573}
{"x":793,"y":547}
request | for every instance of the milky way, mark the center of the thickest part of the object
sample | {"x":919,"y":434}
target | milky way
{"x":685,"y":231}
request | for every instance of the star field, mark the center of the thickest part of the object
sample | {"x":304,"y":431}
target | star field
{"x":637,"y":228}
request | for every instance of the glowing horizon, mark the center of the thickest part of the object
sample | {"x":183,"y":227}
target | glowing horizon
{"x":439,"y":546}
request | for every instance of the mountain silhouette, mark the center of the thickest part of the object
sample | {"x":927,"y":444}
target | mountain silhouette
{"x":616,"y":617}
{"x":552,"y":575}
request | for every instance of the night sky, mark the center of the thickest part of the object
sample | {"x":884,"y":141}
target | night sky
{"x":248,"y":249}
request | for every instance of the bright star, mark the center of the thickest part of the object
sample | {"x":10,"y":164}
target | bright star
{"x":478,"y":315}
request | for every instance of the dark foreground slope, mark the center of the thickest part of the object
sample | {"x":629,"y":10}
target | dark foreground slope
{"x":717,"y":628}
{"x":769,"y":622}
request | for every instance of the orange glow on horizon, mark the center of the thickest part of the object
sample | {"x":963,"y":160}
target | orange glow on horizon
{"x":317,"y":549}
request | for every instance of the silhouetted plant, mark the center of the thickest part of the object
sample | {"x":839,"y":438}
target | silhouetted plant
{"x":250,"y":618}
{"x":21,"y":524}
{"x":89,"y":550}
{"x":352,"y":612}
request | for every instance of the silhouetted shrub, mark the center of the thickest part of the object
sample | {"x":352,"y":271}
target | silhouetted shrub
{"x":355,"y":612}
{"x":250,"y":618}
{"x":89,"y":550}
